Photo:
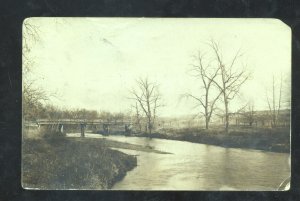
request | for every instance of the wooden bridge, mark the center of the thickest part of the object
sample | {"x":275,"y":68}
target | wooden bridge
{"x":60,"y":124}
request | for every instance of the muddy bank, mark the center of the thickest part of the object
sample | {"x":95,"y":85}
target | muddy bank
{"x":68,"y":163}
{"x":123,"y":145}
{"x":275,"y":140}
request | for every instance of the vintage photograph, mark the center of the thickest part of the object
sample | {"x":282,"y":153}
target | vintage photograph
{"x":156,"y":104}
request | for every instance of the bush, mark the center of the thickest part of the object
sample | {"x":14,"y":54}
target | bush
{"x":49,"y":133}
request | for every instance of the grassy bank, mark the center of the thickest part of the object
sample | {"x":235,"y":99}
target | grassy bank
{"x":69,"y":163}
{"x":276,"y":140}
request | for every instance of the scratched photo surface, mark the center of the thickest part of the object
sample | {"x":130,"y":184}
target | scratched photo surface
{"x":156,"y":104}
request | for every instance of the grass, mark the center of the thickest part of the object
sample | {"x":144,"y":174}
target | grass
{"x":63,"y":163}
{"x":268,"y":139}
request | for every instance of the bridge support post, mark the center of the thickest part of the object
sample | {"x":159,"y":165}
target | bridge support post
{"x":61,"y":128}
{"x":82,"y":129}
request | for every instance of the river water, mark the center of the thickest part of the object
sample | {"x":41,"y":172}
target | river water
{"x":192,"y":166}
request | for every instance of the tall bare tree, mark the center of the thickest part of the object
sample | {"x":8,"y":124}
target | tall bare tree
{"x":274,"y":102}
{"x":148,"y":97}
{"x":33,"y":96}
{"x":207,"y":74}
{"x":231,"y":79}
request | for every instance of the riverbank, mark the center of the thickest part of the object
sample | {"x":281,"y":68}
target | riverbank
{"x":73,"y":163}
{"x":267,"y":139}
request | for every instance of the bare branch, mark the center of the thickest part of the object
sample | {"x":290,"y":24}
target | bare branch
{"x":230,"y":82}
{"x":205,"y":72}
{"x":148,"y":98}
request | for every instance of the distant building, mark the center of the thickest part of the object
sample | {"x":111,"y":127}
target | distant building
{"x":259,"y":118}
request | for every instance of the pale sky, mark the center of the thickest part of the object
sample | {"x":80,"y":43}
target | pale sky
{"x":92,"y":63}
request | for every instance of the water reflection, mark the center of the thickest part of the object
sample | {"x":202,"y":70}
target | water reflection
{"x":201,"y":167}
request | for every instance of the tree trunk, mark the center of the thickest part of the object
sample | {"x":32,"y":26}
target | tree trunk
{"x":206,"y":111}
{"x":150,"y":128}
{"x":226,"y":116}
{"x":82,"y":127}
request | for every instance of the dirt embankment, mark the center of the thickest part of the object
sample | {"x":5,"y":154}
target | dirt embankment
{"x":267,"y":139}
{"x":65,"y":163}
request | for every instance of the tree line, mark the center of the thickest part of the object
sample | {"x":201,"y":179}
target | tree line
{"x":52,"y":112}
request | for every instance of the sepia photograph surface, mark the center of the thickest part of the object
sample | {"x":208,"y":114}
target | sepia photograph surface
{"x":156,"y":104}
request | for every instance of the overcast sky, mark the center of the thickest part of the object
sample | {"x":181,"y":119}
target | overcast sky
{"x":92,"y":63}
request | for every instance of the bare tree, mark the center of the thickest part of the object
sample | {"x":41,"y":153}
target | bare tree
{"x":207,"y":74}
{"x":231,"y":79}
{"x":118,"y":117}
{"x":248,"y":113}
{"x":138,"y":117}
{"x":33,"y":96}
{"x":148,"y":97}
{"x":274,"y":102}
{"x":33,"y":99}
{"x":106,"y":116}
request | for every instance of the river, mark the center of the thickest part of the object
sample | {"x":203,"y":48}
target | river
{"x":193,"y":166}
